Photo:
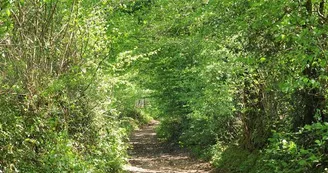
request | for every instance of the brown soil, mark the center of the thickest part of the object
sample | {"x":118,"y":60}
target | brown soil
{"x":148,"y":155}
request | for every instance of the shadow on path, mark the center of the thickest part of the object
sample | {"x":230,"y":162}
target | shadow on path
{"x":148,"y":155}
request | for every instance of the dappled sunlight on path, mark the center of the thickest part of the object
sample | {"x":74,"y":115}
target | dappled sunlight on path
{"x":148,"y":155}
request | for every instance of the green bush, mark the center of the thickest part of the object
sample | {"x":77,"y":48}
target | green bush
{"x":233,"y":159}
{"x":34,"y":143}
{"x":170,"y":129}
{"x":199,"y":135}
{"x":60,"y":155}
{"x":298,"y":152}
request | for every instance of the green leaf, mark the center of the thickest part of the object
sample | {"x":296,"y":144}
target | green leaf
{"x":307,"y":127}
{"x":8,"y":12}
{"x":262,"y":59}
{"x":302,"y":162}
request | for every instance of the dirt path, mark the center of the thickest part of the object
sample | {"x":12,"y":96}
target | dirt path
{"x":149,"y":156}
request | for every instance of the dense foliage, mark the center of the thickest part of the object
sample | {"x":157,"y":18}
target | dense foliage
{"x":238,"y":80}
{"x":60,"y":109}
{"x":240,"y":83}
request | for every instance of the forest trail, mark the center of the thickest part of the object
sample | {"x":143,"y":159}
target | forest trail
{"x":148,"y":155}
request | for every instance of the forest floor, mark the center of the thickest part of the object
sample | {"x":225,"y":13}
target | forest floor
{"x":148,"y":155}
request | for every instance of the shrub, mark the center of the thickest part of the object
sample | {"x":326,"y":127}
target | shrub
{"x":233,"y":159}
{"x":170,"y":129}
{"x":302,"y":151}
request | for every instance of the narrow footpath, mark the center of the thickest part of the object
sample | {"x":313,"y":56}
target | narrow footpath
{"x":148,"y":155}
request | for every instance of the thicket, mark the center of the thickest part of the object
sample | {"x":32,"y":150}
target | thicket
{"x":62,"y":103}
{"x":241,"y":83}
